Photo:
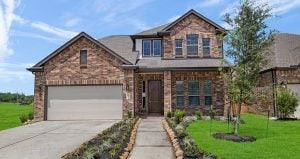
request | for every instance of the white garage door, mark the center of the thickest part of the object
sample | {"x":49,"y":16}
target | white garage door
{"x":84,"y":102}
{"x":296,"y":88}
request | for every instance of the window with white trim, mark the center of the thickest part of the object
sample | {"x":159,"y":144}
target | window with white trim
{"x":192,"y":44}
{"x":194,"y":95}
{"x":207,"y":92}
{"x":178,"y":47}
{"x":179,"y":93}
{"x":152,"y":48}
{"x":206,"y":46}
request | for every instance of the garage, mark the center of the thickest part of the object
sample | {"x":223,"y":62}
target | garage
{"x":296,"y":88}
{"x":84,"y":102}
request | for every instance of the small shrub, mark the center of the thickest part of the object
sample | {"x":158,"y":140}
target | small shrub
{"x":179,"y":114}
{"x":23,"y":118}
{"x":286,"y":102}
{"x":198,"y":115}
{"x":169,"y":114}
{"x":190,"y":148}
{"x":30,"y":116}
{"x":180,"y":130}
{"x":129,"y":114}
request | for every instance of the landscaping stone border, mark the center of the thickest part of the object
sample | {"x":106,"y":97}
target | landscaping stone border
{"x":132,"y":140}
{"x":175,"y":143}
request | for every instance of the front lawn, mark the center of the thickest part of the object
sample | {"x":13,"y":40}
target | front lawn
{"x":283,"y":139}
{"x":10,"y":113}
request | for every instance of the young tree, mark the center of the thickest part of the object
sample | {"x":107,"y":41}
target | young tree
{"x":246,"y":41}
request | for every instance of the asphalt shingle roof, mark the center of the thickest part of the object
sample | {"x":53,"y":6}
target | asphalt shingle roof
{"x":285,"y":51}
{"x":122,"y":45}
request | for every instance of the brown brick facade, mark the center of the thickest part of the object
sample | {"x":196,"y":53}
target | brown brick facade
{"x":217,"y":91}
{"x":64,"y":69}
{"x":193,"y":25}
{"x":169,"y":79}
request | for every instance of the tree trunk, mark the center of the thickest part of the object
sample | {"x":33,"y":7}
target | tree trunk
{"x":238,"y":117}
{"x":231,"y":109}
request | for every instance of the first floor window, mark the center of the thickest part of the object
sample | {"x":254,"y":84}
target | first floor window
{"x":179,"y":93}
{"x":193,"y":90}
{"x":207,"y":92}
{"x":83,"y":57}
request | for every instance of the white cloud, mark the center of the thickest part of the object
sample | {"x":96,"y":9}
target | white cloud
{"x":278,"y":6}
{"x":54,"y":40}
{"x":209,"y":3}
{"x":173,"y":18}
{"x":13,"y":71}
{"x":7,"y":16}
{"x":53,"y":30}
{"x":72,"y":22}
{"x":114,"y":9}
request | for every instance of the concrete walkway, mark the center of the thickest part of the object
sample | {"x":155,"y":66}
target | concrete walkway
{"x":48,"y":139}
{"x":152,"y":141}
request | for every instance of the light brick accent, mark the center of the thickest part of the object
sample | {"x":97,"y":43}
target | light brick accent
{"x":167,"y":92}
{"x":193,"y":25}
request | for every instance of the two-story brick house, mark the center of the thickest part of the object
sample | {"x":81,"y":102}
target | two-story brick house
{"x":173,"y":66}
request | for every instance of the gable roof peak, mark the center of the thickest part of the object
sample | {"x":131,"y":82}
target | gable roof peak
{"x":192,"y":11}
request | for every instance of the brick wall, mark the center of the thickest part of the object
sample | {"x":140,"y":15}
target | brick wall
{"x":64,"y":69}
{"x":192,"y":25}
{"x":139,"y":78}
{"x":217,"y":91}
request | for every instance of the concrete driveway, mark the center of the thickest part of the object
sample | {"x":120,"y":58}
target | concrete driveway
{"x":48,"y":139}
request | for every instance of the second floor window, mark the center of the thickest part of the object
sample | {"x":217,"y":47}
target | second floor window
{"x":151,"y":48}
{"x":178,"y":47}
{"x":83,"y":57}
{"x":206,"y":46}
{"x":192,"y":44}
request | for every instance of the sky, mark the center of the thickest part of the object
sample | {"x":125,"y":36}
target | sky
{"x":32,"y":29}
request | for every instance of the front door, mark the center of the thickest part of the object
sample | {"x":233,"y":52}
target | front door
{"x":155,"y":97}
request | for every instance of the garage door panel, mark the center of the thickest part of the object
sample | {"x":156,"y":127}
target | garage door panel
{"x":84,"y":102}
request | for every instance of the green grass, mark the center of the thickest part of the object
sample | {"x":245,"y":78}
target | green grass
{"x":10,"y":113}
{"x":283,"y":139}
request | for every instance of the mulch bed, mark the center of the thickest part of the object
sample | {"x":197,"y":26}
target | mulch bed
{"x":110,"y":144}
{"x":286,"y":119}
{"x":233,"y":137}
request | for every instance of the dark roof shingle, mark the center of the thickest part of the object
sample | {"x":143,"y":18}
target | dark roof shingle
{"x":285,"y":51}
{"x":122,"y":45}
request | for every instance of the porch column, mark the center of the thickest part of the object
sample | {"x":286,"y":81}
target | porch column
{"x":167,"y":92}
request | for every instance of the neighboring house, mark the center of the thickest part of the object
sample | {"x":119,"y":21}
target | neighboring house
{"x":283,"y":66}
{"x":173,"y":66}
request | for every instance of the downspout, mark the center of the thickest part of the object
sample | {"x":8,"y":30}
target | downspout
{"x":274,"y":85}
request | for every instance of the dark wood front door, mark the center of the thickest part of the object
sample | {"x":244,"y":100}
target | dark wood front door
{"x":155,"y":97}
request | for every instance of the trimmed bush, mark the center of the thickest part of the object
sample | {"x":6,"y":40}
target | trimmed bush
{"x":286,"y":102}
{"x":23,"y":118}
{"x":179,"y":114}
